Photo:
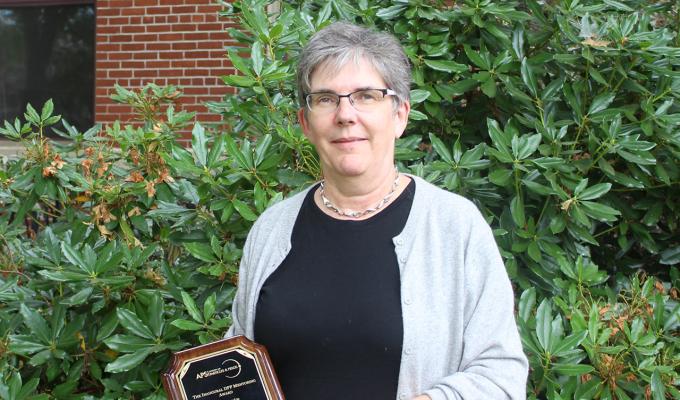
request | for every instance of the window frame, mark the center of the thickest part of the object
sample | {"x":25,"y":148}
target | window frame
{"x":33,"y":3}
{"x":50,"y":3}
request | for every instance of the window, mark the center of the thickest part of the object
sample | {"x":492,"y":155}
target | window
{"x":47,"y":51}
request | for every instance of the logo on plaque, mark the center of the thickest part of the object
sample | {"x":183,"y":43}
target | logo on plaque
{"x":229,"y":369}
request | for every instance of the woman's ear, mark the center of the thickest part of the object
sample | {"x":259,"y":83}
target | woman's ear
{"x":402,"y":118}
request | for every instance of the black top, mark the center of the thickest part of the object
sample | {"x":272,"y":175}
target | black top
{"x":330,"y":315}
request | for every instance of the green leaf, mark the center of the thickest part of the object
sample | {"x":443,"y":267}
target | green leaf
{"x":202,"y":251}
{"x":601,"y":102}
{"x":257,"y":57}
{"x":446,"y":66}
{"x":529,"y":78}
{"x":569,"y":343}
{"x":36,"y":324}
{"x":47,"y":110}
{"x":209,"y":306}
{"x":572,"y":369}
{"x":476,"y":58}
{"x":244,"y":210}
{"x":544,"y":325}
{"x":191,"y":307}
{"x":391,"y":11}
{"x":199,"y":144}
{"x":419,"y":95}
{"x":618,"y":5}
{"x":75,"y":258}
{"x":186,"y":325}
{"x":440,"y":148}
{"x":133,"y":324}
{"x":527,"y":302}
{"x":517,"y":211}
{"x":595,"y":191}
{"x":658,"y":388}
{"x":156,"y":311}
{"x":128,"y":361}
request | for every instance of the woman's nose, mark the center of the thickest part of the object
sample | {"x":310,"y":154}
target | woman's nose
{"x":345,"y":113}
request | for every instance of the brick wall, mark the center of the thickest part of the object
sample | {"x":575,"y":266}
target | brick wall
{"x":178,"y":42}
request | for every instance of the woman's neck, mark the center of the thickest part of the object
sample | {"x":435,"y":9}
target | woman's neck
{"x":361,"y":193}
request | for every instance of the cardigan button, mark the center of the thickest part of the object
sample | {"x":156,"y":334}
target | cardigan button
{"x":402,"y":396}
{"x":402,"y":259}
{"x":408,"y":301}
{"x":400,"y":241}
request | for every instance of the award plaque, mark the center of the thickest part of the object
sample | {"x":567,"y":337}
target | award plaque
{"x":229,"y":369}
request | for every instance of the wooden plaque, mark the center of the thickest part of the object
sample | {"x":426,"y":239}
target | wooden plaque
{"x":228,"y":369}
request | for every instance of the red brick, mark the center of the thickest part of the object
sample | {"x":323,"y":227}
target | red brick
{"x":145,"y":73}
{"x":106,"y":47}
{"x":107,"y":12}
{"x":197,"y":81}
{"x":183,"y":9}
{"x":169,"y":37}
{"x":196,"y":54}
{"x":170,"y":55}
{"x":158,"y":10}
{"x":183,"y":64}
{"x":196,"y":36}
{"x":158,"y":46}
{"x":212,"y":9}
{"x":172,"y":19}
{"x":160,"y":19}
{"x":121,"y":56}
{"x":132,"y":47}
{"x":106,"y":64}
{"x":145,"y":56}
{"x":107,"y":30}
{"x":209,"y":45}
{"x":145,"y":3}
{"x":135,"y":20}
{"x":120,"y":73}
{"x":158,"y":28}
{"x":119,"y":21}
{"x":184,"y":46}
{"x":121,"y":38}
{"x":133,"y":11}
{"x":210,"y":27}
{"x":147,"y":37}
{"x":183,"y":27}
{"x":132,"y":64}
{"x":120,"y":3}
{"x":157,"y":64}
{"x":221,"y":36}
{"x":197,"y":72}
{"x":208,"y":63}
{"x":147,"y":19}
{"x":133,"y":28}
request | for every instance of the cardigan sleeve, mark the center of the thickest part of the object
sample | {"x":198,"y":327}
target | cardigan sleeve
{"x":493,"y":364}
{"x":239,"y":308}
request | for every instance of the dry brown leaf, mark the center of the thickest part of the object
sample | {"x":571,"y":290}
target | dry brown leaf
{"x":150,"y":188}
{"x":135,"y":177}
{"x":595,"y":43}
{"x":49,"y":171}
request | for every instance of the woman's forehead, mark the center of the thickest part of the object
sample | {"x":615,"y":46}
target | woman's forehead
{"x":353,"y":73}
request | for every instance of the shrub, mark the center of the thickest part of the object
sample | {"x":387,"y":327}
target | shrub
{"x":557,"y":118}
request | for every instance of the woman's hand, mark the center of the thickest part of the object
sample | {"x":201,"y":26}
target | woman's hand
{"x":422,"y":397}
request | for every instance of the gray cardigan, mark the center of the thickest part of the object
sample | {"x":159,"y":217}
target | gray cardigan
{"x":460,"y":337}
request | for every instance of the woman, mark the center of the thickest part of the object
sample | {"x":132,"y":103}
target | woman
{"x":372,"y":283}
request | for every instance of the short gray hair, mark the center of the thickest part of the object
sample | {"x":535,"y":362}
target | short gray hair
{"x":340,"y":42}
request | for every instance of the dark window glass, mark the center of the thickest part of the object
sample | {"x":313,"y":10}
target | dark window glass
{"x":48,"y":52}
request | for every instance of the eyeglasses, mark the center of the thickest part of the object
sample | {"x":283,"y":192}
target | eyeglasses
{"x":361,"y":100}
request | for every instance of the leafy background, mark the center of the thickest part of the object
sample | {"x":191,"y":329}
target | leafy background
{"x":558,"y":118}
